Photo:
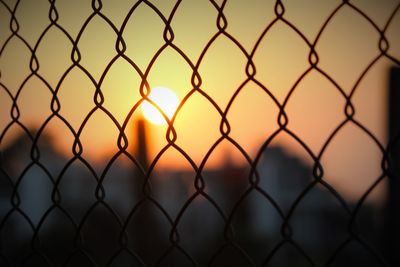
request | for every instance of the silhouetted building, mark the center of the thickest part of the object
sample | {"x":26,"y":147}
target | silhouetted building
{"x":32,"y":177}
{"x":232,"y":209}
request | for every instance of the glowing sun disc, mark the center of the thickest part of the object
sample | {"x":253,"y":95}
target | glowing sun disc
{"x":165,"y":99}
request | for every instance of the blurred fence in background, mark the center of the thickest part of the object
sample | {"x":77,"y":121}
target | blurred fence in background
{"x":271,"y":209}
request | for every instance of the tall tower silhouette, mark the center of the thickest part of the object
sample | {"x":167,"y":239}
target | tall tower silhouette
{"x":141,"y":153}
{"x":145,"y":228}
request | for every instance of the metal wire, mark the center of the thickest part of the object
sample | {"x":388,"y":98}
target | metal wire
{"x":80,"y":248}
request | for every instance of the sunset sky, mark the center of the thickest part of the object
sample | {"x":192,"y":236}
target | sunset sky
{"x":345,"y":48}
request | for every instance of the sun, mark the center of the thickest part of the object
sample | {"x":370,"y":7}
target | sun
{"x":165,"y":99}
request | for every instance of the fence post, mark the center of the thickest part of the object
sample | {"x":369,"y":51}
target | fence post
{"x":393,"y":202}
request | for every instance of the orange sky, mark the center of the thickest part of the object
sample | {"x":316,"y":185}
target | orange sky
{"x":347,"y":45}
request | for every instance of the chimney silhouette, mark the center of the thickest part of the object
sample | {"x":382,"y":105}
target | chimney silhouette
{"x":141,"y":153}
{"x":146,"y":237}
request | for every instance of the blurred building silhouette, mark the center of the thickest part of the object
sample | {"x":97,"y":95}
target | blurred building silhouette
{"x":33,"y":181}
{"x":318,"y":224}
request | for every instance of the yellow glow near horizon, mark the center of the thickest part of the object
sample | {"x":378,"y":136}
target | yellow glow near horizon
{"x":314,"y":109}
{"x":166,"y":100}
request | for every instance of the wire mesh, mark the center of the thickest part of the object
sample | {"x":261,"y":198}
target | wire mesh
{"x":134,"y":238}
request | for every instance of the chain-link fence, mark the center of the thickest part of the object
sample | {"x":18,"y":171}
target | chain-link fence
{"x":277,"y":155}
